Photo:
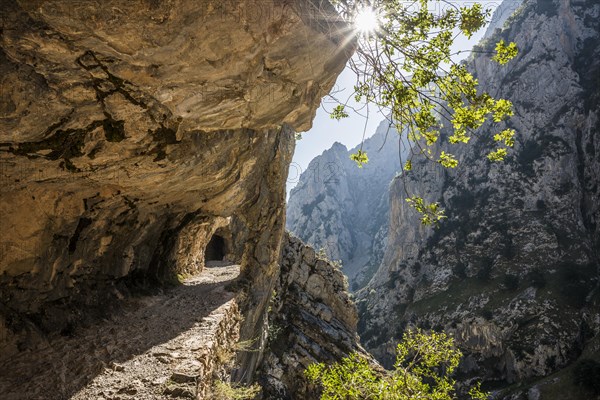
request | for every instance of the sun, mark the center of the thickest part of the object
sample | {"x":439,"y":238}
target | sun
{"x":366,"y":20}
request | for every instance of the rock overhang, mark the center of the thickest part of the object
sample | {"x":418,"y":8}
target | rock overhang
{"x":255,"y":64}
{"x":128,"y":126}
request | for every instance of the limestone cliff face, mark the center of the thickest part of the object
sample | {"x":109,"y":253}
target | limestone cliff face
{"x":131,"y":132}
{"x":343,"y":209}
{"x":312,"y":319}
{"x":513,"y":272}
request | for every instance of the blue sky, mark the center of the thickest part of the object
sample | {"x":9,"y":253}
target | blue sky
{"x":349,"y":131}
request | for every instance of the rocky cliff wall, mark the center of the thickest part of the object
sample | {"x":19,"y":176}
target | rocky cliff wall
{"x":312,"y":319}
{"x":343,"y":209}
{"x":513,"y":272}
{"x":133,"y":131}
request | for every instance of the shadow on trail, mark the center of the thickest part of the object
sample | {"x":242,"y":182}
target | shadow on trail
{"x":68,"y":364}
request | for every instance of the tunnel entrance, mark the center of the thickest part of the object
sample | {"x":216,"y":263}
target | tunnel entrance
{"x":215,"y":250}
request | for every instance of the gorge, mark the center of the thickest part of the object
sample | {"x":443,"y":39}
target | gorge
{"x":513,"y":271}
{"x":131,"y":134}
{"x":144,"y":151}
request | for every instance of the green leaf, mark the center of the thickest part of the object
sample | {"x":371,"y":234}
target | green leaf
{"x":505,"y":53}
{"x":472,"y":19}
{"x":338,"y":112}
{"x":398,"y":70}
{"x":430,"y":213}
{"x":507,"y":136}
{"x":448,"y":160}
{"x":498,"y":155}
{"x":360,"y":158}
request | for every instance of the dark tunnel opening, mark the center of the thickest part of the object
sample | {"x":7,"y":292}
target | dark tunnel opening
{"x":215,"y":250}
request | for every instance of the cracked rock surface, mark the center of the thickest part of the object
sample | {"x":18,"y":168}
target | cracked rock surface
{"x":312,"y":319}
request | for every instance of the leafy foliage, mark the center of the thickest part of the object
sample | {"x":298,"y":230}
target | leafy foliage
{"x":430,"y":213}
{"x":338,"y":112}
{"x":423,"y":369}
{"x":587,"y":374}
{"x":360,"y":157}
{"x":405,"y":67}
{"x":510,"y":282}
{"x":448,"y":160}
{"x":504,"y":52}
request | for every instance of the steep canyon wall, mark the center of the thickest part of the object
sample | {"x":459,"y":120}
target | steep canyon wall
{"x":343,"y":209}
{"x":513,"y":272}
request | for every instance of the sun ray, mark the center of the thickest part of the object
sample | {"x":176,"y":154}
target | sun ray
{"x":366,"y":20}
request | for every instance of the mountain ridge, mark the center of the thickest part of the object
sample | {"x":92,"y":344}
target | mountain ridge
{"x":513,"y":271}
{"x":341,"y":208}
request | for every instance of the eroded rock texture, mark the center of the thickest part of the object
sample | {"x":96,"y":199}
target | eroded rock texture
{"x":133,"y":131}
{"x":312,"y":319}
{"x":513,"y":272}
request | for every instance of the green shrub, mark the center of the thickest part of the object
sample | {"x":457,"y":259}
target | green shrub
{"x":460,"y":270}
{"x":423,"y":369}
{"x":587,"y":374}
{"x":537,"y":279}
{"x":510,"y":282}
{"x":485,"y":270}
{"x":487,"y":314}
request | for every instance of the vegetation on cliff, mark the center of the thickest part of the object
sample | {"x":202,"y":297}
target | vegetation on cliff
{"x":405,"y":66}
{"x":423,"y":370}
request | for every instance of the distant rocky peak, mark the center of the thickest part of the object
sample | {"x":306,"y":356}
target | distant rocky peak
{"x":341,"y":208}
{"x":501,"y":14}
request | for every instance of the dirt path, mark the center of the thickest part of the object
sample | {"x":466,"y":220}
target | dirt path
{"x":154,"y":349}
